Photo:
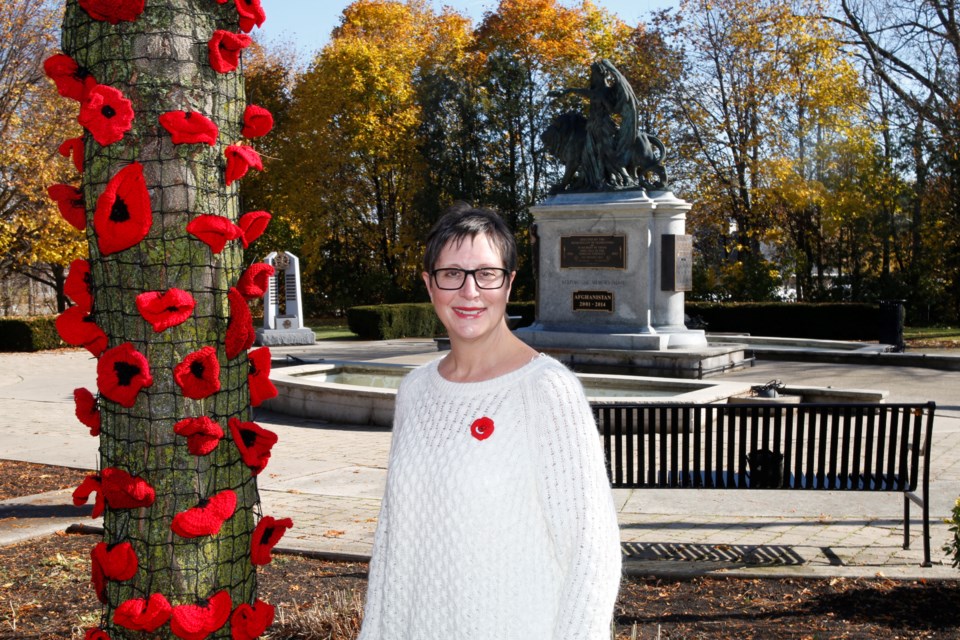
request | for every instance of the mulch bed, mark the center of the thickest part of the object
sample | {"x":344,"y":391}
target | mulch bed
{"x":45,"y":594}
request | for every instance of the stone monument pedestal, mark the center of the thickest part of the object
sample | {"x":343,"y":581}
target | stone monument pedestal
{"x":282,"y":307}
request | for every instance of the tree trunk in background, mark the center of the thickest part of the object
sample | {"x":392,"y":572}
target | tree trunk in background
{"x":160,"y":62}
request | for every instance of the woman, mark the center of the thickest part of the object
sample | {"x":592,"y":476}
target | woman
{"x":497,"y":521}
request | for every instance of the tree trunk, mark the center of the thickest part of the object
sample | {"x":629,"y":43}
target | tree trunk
{"x":160,"y":62}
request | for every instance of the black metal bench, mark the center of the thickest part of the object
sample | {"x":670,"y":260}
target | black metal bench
{"x":817,"y":447}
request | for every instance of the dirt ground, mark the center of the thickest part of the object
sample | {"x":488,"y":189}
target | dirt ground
{"x":45,"y":594}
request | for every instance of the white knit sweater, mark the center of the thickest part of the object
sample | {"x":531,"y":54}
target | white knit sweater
{"x":513,"y":536}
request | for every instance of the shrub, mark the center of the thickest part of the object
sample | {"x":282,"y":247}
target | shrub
{"x":29,"y":334}
{"x":826,"y":321}
{"x":952,"y":548}
{"x":413,"y":320}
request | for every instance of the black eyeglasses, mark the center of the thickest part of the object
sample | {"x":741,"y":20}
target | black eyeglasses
{"x":486,"y":278}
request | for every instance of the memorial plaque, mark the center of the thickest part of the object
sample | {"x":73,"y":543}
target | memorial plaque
{"x":676,"y":264}
{"x":592,"y":301}
{"x":593,"y":252}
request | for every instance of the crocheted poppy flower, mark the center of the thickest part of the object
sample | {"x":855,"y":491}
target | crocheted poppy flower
{"x":199,"y":374}
{"x":106,"y":114}
{"x":77,"y":327}
{"x":190,"y":127}
{"x":121,"y":373}
{"x":123,"y":216}
{"x":117,"y":562}
{"x":252,"y":225}
{"x":255,"y":280}
{"x":139,"y":614}
{"x":71,"y":204}
{"x":113,"y":11}
{"x":265,"y":538}
{"x":124,"y":491}
{"x":72,"y":148}
{"x":240,"y":158}
{"x":207,"y":517}
{"x":482,"y":428}
{"x":225,"y":48}
{"x":214,"y":231}
{"x":90,"y":485}
{"x":165,"y":309}
{"x":257,"y":121}
{"x":203,"y":434}
{"x":240,"y":333}
{"x":96,"y":633}
{"x":253,"y":442}
{"x":86,"y":410}
{"x":77,"y":286}
{"x":261,"y":388}
{"x":251,"y":14}
{"x":197,"y":621}
{"x":72,"y":80}
{"x":249,"y":622}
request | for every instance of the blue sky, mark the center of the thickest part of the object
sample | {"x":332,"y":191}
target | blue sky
{"x":307,"y":23}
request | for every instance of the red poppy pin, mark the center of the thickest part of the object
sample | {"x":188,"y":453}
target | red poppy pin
{"x":251,"y":14}
{"x":77,"y":286}
{"x":261,"y":388}
{"x":117,"y":562}
{"x":139,"y":614}
{"x":124,"y":491}
{"x":207,"y":517}
{"x":197,"y":621}
{"x":482,"y":428}
{"x":213,"y":231}
{"x":77,"y":328}
{"x":70,"y":202}
{"x":121,"y":373}
{"x":123,"y":215}
{"x":203,"y":434}
{"x":255,"y":280}
{"x":249,"y":622}
{"x":257,"y":121}
{"x":81,"y":495}
{"x":113,"y":11}
{"x":253,"y":442}
{"x":240,"y":159}
{"x":190,"y":127}
{"x":225,"y":48}
{"x":198,"y":376}
{"x":106,"y":114}
{"x":252,"y":226}
{"x":86,"y":410}
{"x":265,"y":537}
{"x":165,"y":309}
{"x":71,"y":79}
{"x":72,"y":148}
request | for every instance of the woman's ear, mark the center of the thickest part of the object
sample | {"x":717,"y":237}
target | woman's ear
{"x":426,"y":281}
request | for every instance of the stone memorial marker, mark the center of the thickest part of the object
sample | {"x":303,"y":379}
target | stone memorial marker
{"x":282,"y":304}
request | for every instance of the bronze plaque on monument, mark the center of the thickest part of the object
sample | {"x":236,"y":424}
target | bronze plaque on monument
{"x":676,"y":263}
{"x":592,"y":301}
{"x":593,"y":252}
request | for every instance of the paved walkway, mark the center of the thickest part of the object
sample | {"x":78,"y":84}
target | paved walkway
{"x":329,"y":478}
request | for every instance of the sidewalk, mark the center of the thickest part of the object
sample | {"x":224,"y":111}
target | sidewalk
{"x":329,"y":478}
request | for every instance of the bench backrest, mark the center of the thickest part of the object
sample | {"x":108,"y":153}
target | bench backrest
{"x":846,"y":447}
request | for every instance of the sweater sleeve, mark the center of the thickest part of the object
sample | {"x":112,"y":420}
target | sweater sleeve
{"x":579,"y":508}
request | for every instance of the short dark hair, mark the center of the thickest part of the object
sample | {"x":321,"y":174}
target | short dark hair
{"x":464,"y":221}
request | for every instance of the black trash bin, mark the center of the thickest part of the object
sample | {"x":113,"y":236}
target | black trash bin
{"x":891,"y":323}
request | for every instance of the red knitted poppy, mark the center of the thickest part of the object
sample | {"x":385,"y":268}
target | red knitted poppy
{"x":123,"y":216}
{"x":251,"y":14}
{"x":197,"y":621}
{"x":113,"y":11}
{"x":124,"y":491}
{"x":90,"y":484}
{"x":96,"y":633}
{"x":240,"y":333}
{"x":203,"y":434}
{"x":115,"y":562}
{"x":265,"y":537}
{"x":199,"y":374}
{"x":77,"y":285}
{"x":240,"y":158}
{"x":250,"y":622}
{"x":86,"y":410}
{"x":255,"y":280}
{"x":207,"y":517}
{"x":77,"y":327}
{"x":106,"y":114}
{"x":143,"y":615}
{"x":121,"y":373}
{"x":71,"y":204}
{"x":261,"y":388}
{"x":73,"y":148}
{"x":190,"y":127}
{"x":253,"y":224}
{"x":253,"y":442}
{"x":225,"y":48}
{"x":72,"y":80}
{"x":214,"y":231}
{"x":165,"y":309}
{"x":257,"y":121}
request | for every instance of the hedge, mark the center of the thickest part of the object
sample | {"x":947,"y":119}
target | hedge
{"x":412,"y":320}
{"x":29,"y":334}
{"x":824,"y":321}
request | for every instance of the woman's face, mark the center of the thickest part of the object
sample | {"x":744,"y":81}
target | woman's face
{"x":469,"y":313}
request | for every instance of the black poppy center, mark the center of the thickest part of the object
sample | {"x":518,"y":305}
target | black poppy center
{"x":125,"y":372}
{"x":108,"y":111}
{"x":267,"y":534}
{"x":203,"y":503}
{"x":253,"y":368}
{"x":119,"y":212}
{"x":197,"y":369}
{"x":173,"y":309}
{"x":249,"y":437}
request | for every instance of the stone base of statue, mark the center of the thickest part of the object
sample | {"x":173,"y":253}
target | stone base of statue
{"x":285,"y":337}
